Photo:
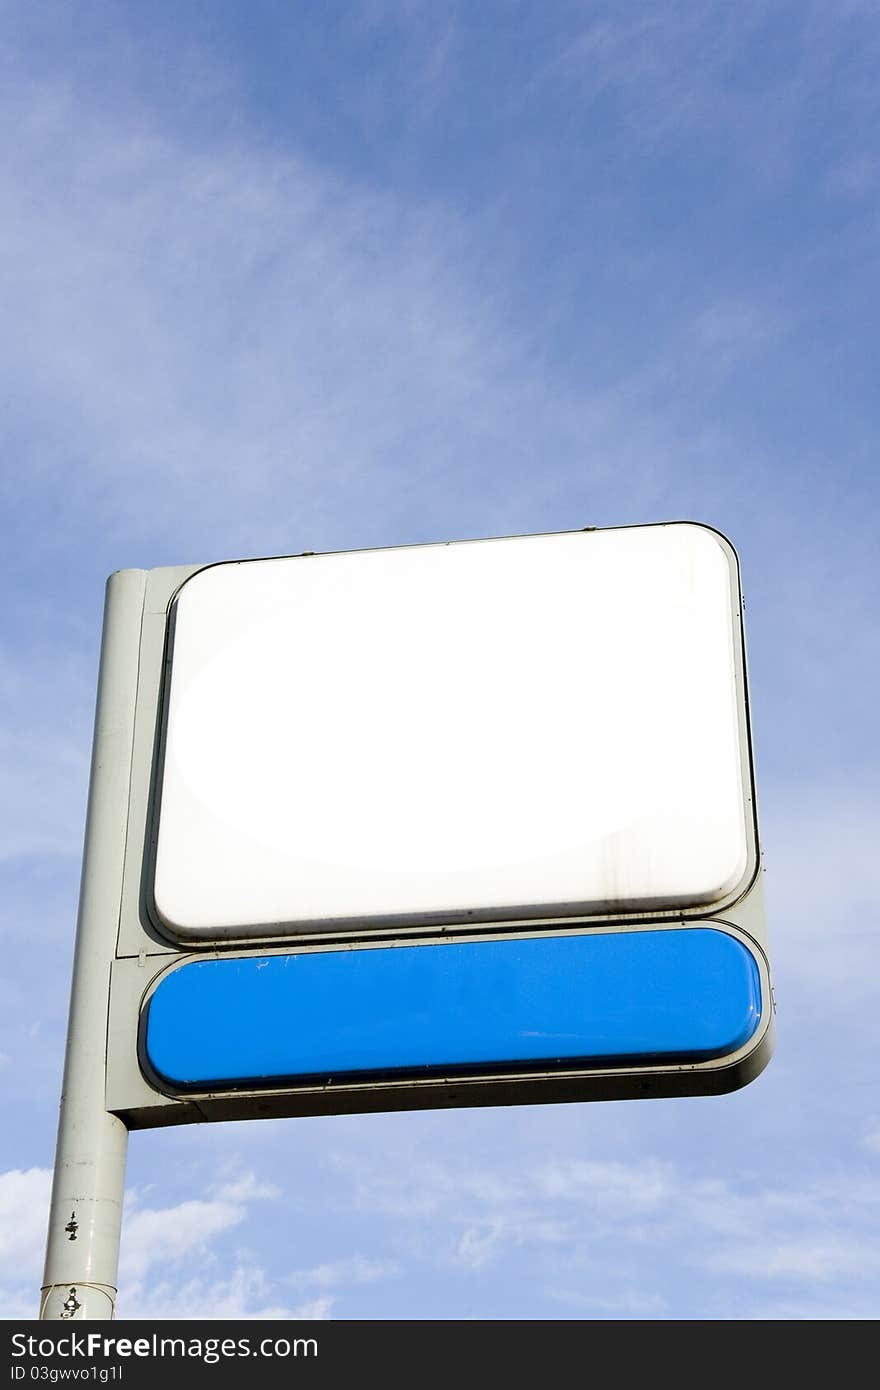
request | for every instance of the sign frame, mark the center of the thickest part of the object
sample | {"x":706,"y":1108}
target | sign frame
{"x":144,"y":952}
{"x":122,"y":956}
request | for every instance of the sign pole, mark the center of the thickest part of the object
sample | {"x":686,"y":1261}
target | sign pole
{"x":82,"y":1248}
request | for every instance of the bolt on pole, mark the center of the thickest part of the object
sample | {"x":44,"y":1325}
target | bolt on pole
{"x":82,"y":1249}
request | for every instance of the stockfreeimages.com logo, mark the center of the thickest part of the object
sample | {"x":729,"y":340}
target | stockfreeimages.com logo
{"x":97,"y":1344}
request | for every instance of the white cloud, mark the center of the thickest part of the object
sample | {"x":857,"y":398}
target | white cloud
{"x":217,"y":350}
{"x":217,"y":328}
{"x":24,"y":1204}
{"x":637,"y":1186}
{"x":671,"y":71}
{"x":158,"y":1250}
{"x":237,"y":352}
{"x":243,"y":1293}
{"x":483,"y":1241}
{"x":244,"y":1187}
{"x":822,"y":883}
{"x":354,"y":1270}
{"x":213,"y":349}
{"x":816,"y":1258}
{"x":157,"y":1237}
{"x":857,"y":1306}
{"x":628,"y":1304}
{"x":44,"y":758}
{"x":527,"y":1196}
{"x":574,"y":1220}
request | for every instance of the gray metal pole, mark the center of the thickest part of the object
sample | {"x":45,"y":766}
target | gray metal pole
{"x":82,"y":1248}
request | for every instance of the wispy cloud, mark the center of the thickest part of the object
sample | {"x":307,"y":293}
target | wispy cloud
{"x":216,"y":344}
{"x":812,"y":1260}
{"x":822,"y":881}
{"x":24,"y":1201}
{"x":217,"y":349}
{"x":625,"y":1305}
{"x":159,"y":1248}
{"x":200,"y":324}
{"x":244,"y":1292}
{"x":170,"y":1234}
{"x":44,"y":760}
{"x":740,"y":80}
{"x":238,"y":352}
{"x":356,"y":1269}
{"x":244,"y":1187}
{"x":571,"y":1219}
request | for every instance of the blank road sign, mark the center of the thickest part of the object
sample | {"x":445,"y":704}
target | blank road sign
{"x":469,"y":823}
{"x":523,"y":729}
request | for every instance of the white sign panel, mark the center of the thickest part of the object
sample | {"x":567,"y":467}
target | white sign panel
{"x":512,"y":729}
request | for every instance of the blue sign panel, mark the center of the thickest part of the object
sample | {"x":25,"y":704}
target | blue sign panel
{"x":543,"y":1003}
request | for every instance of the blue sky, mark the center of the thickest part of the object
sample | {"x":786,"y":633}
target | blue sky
{"x":288,"y":276}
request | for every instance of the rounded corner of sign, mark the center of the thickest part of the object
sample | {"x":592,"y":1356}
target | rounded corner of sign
{"x":717,"y":537}
{"x":150,"y":1071}
{"x":751,"y":1049}
{"x":747,"y":1063}
{"x":149,"y":1064}
{"x":733,"y":886}
{"x":181,"y":934}
{"x":168,"y":922}
{"x":186,"y":586}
